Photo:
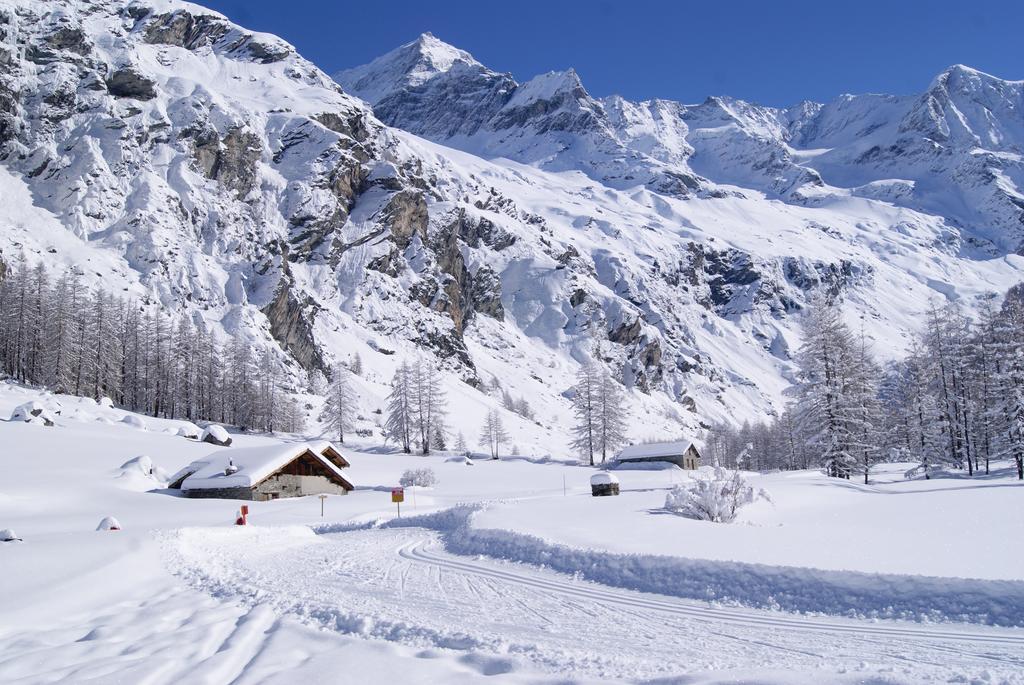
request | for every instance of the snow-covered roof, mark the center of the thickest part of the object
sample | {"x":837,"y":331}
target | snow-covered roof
{"x":655,"y":449}
{"x":254,"y":465}
{"x":326,"y":448}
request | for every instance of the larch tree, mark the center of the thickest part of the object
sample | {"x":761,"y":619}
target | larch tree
{"x":340,"y":407}
{"x":585,"y":407}
{"x":399,"y":425}
{"x":610,"y":415}
{"x":492,"y":433}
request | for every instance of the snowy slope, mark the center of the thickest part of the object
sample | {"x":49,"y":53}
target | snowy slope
{"x":182,"y":595}
{"x":174,"y":156}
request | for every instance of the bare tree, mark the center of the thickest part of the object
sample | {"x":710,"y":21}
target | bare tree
{"x":492,"y":433}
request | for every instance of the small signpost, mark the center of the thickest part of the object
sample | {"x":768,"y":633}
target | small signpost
{"x":398,"y":496}
{"x":322,"y":498}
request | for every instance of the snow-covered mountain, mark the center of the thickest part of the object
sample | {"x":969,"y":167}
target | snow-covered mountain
{"x":510,"y":231}
{"x":954,"y":151}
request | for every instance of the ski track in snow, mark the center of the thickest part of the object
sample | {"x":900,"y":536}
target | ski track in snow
{"x":398,"y":584}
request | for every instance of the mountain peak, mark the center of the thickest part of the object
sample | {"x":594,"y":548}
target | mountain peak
{"x":548,"y":86}
{"x":439,"y":56}
{"x":407,"y":66}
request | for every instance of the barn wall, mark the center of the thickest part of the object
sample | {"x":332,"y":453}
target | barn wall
{"x":219,"y":493}
{"x":672,"y":459}
{"x":287,"y":485}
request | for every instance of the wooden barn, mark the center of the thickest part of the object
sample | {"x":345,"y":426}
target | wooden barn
{"x":266,"y":472}
{"x":683,"y":454}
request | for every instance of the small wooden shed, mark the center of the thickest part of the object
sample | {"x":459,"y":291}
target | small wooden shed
{"x":604,"y":484}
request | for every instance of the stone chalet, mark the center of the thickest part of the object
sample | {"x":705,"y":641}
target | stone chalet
{"x":683,"y":454}
{"x":266,"y":472}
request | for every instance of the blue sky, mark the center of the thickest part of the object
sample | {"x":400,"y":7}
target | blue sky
{"x":775,"y":53}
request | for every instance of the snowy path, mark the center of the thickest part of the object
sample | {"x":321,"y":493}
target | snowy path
{"x":399,"y":585}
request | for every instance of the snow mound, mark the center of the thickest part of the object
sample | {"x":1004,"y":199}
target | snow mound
{"x":216,"y":435}
{"x":33,"y":412}
{"x":189,"y":430}
{"x":109,"y":523}
{"x":134,"y":420}
{"x":106,"y":402}
{"x":8,"y":535}
{"x":142,"y":470}
{"x":80,"y":415}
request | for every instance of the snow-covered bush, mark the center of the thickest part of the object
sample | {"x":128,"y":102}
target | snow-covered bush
{"x":713,"y":494}
{"x":424,"y":478}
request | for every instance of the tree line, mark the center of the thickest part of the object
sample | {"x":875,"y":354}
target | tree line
{"x":956,"y":401}
{"x":57,"y":333}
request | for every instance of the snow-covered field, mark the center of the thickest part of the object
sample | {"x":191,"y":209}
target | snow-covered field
{"x":478,"y":584}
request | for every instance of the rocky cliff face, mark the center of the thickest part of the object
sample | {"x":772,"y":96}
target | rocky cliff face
{"x":166,"y":152}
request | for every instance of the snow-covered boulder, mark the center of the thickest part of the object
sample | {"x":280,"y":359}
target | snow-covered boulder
{"x":109,"y":523}
{"x":189,"y":430}
{"x":141,"y":469}
{"x":134,"y":420}
{"x":8,"y":535}
{"x":33,"y":412}
{"x":106,"y":402}
{"x":216,"y":435}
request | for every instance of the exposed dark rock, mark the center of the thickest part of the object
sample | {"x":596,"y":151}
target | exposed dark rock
{"x":266,"y":52}
{"x":386,"y":263}
{"x":351,"y":126}
{"x":69,"y":38}
{"x":406,"y":215}
{"x":291,"y":325}
{"x":186,"y":30}
{"x":485,"y":295}
{"x":578,"y":297}
{"x":484,"y":231}
{"x":231,"y":161}
{"x":128,"y":82}
{"x":626,"y":333}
